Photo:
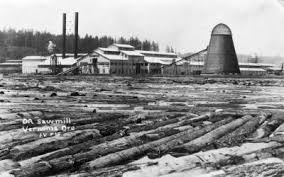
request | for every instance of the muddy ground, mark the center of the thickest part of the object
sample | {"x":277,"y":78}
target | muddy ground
{"x":100,"y":110}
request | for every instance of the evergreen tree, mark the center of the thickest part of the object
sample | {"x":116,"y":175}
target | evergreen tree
{"x":29,"y":42}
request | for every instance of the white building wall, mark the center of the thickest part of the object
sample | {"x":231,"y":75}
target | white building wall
{"x":31,"y":66}
{"x":103,"y":65}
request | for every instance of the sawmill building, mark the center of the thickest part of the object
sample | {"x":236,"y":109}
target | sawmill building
{"x":123,"y":59}
{"x":11,"y":66}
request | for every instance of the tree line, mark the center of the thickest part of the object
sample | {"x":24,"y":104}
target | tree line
{"x":18,"y":44}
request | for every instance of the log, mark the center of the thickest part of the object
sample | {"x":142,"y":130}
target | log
{"x":52,"y":162}
{"x":15,"y":120}
{"x":171,"y":144}
{"x":8,"y":164}
{"x":240,"y":135}
{"x":53,"y":159}
{"x":94,"y":151}
{"x":264,"y":167}
{"x":44,"y":145}
{"x":278,"y":131}
{"x":173,"y":123}
{"x":16,"y":135}
{"x":261,"y":132}
{"x":152,"y":118}
{"x":190,"y":119}
{"x":168,"y":108}
{"x":265,"y":129}
{"x":132,"y":153}
{"x":31,"y":114}
{"x":21,"y":115}
{"x":168,"y":164}
{"x":98,"y":118}
{"x":209,"y":138}
{"x":89,"y":151}
{"x":15,"y":124}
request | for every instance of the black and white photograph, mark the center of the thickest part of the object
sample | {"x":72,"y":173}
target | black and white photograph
{"x":141,"y":88}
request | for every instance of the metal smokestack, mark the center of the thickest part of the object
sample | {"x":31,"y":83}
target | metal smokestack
{"x":76,"y":36}
{"x":63,"y":35}
{"x":221,"y":55}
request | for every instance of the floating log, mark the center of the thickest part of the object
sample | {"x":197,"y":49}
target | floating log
{"x":183,"y":138}
{"x":21,"y":115}
{"x":14,"y":124}
{"x":53,"y":161}
{"x":122,"y":156}
{"x":261,"y":132}
{"x":278,"y":131}
{"x":92,"y":152}
{"x":168,"y":164}
{"x":168,"y":124}
{"x":264,"y":167}
{"x":55,"y":158}
{"x":265,"y":130}
{"x":8,"y":164}
{"x":45,"y":145}
{"x":210,"y":137}
{"x":240,"y":135}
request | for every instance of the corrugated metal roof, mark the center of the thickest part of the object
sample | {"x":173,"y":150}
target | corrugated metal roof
{"x":132,"y":53}
{"x":34,"y":58}
{"x":155,"y":53}
{"x":196,"y":63}
{"x":160,"y":60}
{"x":10,"y":64}
{"x":124,"y":46}
{"x":252,"y":69}
{"x":276,"y":68}
{"x":61,"y":61}
{"x":108,"y":49}
{"x":257,"y":64}
{"x":111,"y":57}
{"x":13,"y":61}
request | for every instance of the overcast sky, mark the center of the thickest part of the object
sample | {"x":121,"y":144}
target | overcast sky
{"x":257,"y":25}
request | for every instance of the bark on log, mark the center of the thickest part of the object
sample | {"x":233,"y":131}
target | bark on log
{"x":169,"y":164}
{"x":172,"y":123}
{"x":8,"y":164}
{"x":66,"y":162}
{"x":266,"y":167}
{"x":265,"y":129}
{"x":52,"y":143}
{"x":15,"y":124}
{"x":134,"y":152}
{"x":52,"y":162}
{"x":278,"y":131}
{"x":261,"y":132}
{"x":89,"y":152}
{"x":240,"y":135}
{"x":209,"y":138}
{"x":20,"y":115}
{"x":169,"y":145}
{"x":168,"y":108}
{"x":188,"y":119}
{"x":98,"y":118}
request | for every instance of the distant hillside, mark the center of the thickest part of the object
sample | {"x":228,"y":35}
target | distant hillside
{"x":17,"y":44}
{"x":14,"y":52}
